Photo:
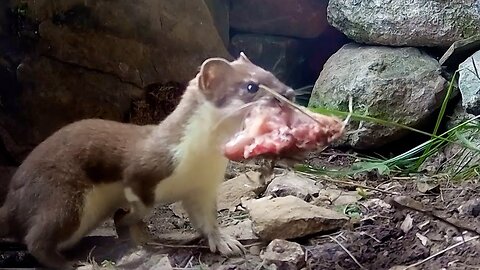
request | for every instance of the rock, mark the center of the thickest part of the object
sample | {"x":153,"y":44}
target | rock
{"x":459,"y":51}
{"x":245,"y":186}
{"x":282,"y":56}
{"x":295,"y":185}
{"x":420,"y":23}
{"x":290,"y":217}
{"x":284,"y":254}
{"x":469,"y":83}
{"x":220,"y":10}
{"x":295,"y":18}
{"x":470,"y":208}
{"x":455,"y":158}
{"x":143,"y":259}
{"x":336,"y":197}
{"x":56,"y":94}
{"x":231,"y":193}
{"x":242,"y":230}
{"x":402,"y":85}
{"x":139,"y":42}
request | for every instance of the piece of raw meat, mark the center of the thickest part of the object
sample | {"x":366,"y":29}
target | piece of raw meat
{"x":277,"y":130}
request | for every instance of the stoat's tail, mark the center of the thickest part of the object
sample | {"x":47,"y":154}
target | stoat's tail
{"x":4,"y":230}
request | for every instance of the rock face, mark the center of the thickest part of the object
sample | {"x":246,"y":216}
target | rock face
{"x":429,"y":23}
{"x":140,"y":42}
{"x":295,"y":18}
{"x":282,"y":56}
{"x":290,"y":217}
{"x":284,"y":254}
{"x":469,"y":83}
{"x":52,"y":96}
{"x":402,"y":85}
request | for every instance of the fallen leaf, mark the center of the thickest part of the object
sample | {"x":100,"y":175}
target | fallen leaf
{"x":423,"y":224}
{"x":407,"y":224}
{"x":422,"y":239}
{"x":425,"y":187}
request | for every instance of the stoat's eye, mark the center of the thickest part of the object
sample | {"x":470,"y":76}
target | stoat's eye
{"x":252,"y":87}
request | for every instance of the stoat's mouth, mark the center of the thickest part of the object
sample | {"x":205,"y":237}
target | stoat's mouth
{"x":277,"y":129}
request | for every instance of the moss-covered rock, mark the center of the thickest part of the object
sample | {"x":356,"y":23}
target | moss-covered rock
{"x":429,"y":23}
{"x":402,"y":85}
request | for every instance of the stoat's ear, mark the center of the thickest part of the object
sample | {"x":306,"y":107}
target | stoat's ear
{"x":213,"y":73}
{"x":244,"y":57}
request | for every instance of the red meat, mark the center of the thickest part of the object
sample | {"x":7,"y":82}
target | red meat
{"x":281,"y":130}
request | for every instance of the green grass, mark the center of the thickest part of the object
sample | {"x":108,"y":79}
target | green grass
{"x":410,"y":161}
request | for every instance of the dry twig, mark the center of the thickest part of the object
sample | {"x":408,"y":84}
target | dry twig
{"x":348,"y":252}
{"x":441,"y":252}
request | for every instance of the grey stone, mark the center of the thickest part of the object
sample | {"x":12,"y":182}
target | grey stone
{"x":295,"y":185}
{"x":459,"y":51}
{"x":402,"y":85}
{"x":284,"y":254}
{"x":455,"y":157}
{"x":143,"y":259}
{"x":290,"y":217}
{"x":294,"y":18}
{"x":283,"y":56}
{"x":469,"y":83}
{"x":231,"y":193}
{"x":429,"y":23}
{"x":470,"y":207}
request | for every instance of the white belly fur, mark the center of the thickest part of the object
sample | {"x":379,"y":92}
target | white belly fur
{"x":99,"y":204}
{"x":200,"y":163}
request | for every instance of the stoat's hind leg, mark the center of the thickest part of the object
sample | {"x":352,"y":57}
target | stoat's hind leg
{"x":41,"y":241}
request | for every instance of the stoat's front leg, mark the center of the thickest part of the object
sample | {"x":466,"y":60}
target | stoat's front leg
{"x":202,"y":211}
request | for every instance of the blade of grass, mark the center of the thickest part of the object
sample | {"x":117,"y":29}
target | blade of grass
{"x":439,"y":118}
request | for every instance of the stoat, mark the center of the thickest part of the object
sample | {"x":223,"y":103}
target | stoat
{"x":88,"y":170}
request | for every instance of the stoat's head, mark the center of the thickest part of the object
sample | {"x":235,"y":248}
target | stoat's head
{"x":231,"y":84}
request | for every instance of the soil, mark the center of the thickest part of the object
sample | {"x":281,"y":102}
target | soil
{"x":379,"y":237}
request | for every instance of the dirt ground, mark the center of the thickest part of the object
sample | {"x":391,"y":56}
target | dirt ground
{"x":380,"y":236}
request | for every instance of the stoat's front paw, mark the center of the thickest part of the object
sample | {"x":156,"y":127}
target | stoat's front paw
{"x":225,"y":245}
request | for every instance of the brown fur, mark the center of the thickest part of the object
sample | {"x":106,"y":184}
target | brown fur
{"x":45,"y":201}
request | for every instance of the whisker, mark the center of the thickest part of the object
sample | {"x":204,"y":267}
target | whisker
{"x":232,"y":113}
{"x":288,"y":102}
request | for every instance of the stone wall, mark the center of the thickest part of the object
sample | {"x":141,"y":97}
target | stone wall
{"x":394,"y":69}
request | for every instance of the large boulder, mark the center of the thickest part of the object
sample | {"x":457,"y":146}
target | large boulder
{"x":140,"y":42}
{"x":469,"y":83}
{"x":429,"y":23}
{"x":284,"y":57}
{"x":294,"y":18}
{"x":402,"y":85}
